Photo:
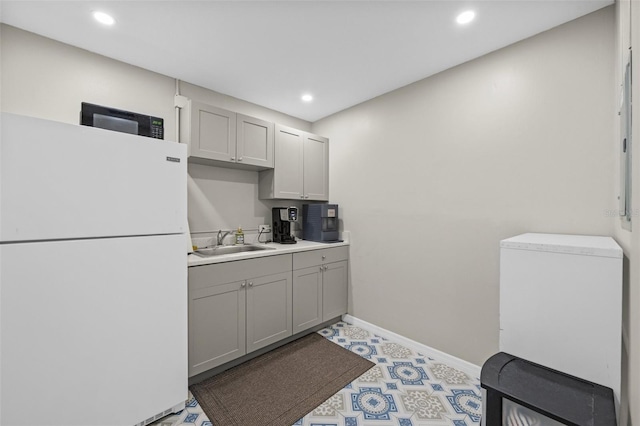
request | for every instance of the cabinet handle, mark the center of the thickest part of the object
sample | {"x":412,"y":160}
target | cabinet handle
{"x":306,"y":196}
{"x":326,"y":267}
{"x":233,"y":158}
{"x":239,"y":158}
{"x":250,"y":284}
{"x":321,"y":268}
{"x":324,"y":257}
{"x":302,"y":196}
{"x":243,"y":284}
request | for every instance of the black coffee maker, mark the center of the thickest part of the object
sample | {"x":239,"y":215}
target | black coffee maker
{"x":282,"y":218}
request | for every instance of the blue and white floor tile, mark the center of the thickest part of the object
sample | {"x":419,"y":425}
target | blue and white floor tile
{"x":192,"y":415}
{"x":405,"y":388}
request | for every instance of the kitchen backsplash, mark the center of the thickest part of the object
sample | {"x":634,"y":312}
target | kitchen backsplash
{"x":221,"y":198}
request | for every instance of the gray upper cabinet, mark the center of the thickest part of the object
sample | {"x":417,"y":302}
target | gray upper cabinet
{"x":210,"y":132}
{"x":254,"y":141}
{"x":289,"y":153}
{"x":301,"y":168}
{"x":316,"y":167}
{"x":224,"y":138}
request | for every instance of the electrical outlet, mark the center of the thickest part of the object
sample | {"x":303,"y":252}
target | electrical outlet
{"x":264,"y":228}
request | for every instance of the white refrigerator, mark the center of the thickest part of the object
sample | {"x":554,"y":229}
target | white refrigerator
{"x":561,"y":304}
{"x":93,"y":275}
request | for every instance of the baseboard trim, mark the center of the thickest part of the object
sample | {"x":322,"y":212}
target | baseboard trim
{"x":451,"y":360}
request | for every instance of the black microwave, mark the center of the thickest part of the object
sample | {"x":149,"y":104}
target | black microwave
{"x":121,"y":121}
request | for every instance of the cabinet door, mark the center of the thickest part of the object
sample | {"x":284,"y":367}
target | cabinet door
{"x":269,"y":310}
{"x":307,"y":298}
{"x":316,"y":167}
{"x":255,"y":141}
{"x":216,"y":326}
{"x":288,"y":179}
{"x":213,"y":132}
{"x":334,"y":290}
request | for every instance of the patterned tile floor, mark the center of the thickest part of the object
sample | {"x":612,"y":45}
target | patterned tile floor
{"x":405,"y":388}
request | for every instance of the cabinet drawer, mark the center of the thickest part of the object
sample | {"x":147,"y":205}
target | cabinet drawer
{"x":318,"y":257}
{"x":221,"y":273}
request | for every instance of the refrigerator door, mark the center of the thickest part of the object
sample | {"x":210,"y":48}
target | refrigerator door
{"x":94,"y":332}
{"x":64,"y":181}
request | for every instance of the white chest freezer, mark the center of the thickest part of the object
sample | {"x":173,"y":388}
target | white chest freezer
{"x":561,"y":304}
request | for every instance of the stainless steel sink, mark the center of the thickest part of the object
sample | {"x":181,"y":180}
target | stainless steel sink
{"x":220,"y":250}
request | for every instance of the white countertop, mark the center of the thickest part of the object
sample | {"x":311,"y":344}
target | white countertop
{"x":301,"y":245}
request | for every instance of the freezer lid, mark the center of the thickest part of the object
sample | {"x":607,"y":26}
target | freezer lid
{"x":561,"y":243}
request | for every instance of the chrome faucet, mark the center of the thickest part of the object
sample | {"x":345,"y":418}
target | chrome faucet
{"x":221,"y":236}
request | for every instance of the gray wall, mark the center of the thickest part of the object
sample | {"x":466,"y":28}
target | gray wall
{"x":628,"y":17}
{"x":47,"y":79}
{"x":432,"y":176}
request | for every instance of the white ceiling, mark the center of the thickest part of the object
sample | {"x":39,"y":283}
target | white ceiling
{"x":270,"y":53}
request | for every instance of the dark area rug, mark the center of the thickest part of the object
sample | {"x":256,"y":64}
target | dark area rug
{"x":281,"y":386}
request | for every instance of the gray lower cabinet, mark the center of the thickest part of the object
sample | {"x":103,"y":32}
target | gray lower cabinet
{"x":216,"y":326}
{"x":307,"y":298}
{"x":334,"y":290}
{"x":269,"y":304}
{"x":320,"y":285}
{"x":236,"y":308}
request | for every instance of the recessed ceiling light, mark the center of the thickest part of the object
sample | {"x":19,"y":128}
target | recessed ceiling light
{"x":466,"y":17}
{"x":307,"y":98}
{"x":103,"y":18}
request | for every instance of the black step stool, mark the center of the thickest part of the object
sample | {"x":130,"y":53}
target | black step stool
{"x":557,"y":396}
